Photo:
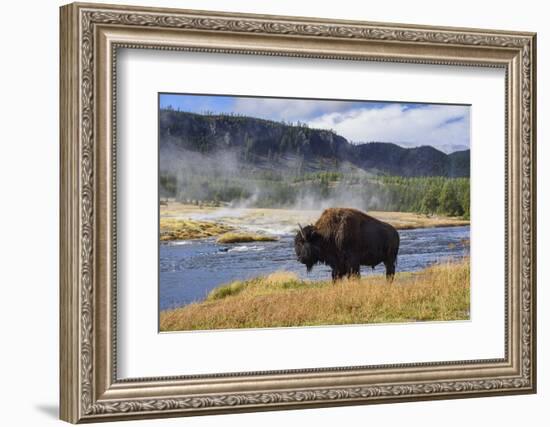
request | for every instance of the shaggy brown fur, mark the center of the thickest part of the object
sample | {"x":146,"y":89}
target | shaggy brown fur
{"x":345,"y":239}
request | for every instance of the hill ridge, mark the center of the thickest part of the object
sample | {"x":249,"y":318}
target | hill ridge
{"x":267,"y":144}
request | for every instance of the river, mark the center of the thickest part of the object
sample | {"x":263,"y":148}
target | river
{"x":190,"y":269}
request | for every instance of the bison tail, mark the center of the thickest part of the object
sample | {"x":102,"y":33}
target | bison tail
{"x":392,"y":255}
{"x":391,"y":263}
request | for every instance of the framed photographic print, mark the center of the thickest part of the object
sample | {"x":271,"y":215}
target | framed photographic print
{"x":267,"y":212}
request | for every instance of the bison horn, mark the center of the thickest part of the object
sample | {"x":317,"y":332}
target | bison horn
{"x":302,"y":232}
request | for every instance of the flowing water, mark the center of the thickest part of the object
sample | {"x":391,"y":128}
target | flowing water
{"x":190,"y":269}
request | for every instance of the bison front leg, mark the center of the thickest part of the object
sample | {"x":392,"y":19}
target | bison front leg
{"x":351,"y":266}
{"x":337,"y":273}
{"x":354,"y":272}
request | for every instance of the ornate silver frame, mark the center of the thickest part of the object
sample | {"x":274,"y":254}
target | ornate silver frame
{"x":90,"y":36}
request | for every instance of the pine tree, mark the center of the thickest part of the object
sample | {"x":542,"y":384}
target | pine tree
{"x":430,"y":201}
{"x":448,"y":200}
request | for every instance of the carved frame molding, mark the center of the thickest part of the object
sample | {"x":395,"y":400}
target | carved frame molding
{"x":90,"y":36}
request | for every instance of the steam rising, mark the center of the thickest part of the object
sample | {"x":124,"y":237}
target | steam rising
{"x":224,"y":178}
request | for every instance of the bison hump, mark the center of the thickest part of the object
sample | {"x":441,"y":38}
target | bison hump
{"x":342,"y":225}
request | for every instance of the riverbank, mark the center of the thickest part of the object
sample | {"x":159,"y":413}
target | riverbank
{"x":179,"y":221}
{"x":186,"y":229}
{"x":244,"y":238}
{"x":437,"y":293}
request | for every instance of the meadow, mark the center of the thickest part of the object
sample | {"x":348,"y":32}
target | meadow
{"x":440,"y":292}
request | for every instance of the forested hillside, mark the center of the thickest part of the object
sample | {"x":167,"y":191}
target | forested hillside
{"x":271,"y":145}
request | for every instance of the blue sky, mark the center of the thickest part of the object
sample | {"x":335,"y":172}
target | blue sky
{"x":446,"y":127}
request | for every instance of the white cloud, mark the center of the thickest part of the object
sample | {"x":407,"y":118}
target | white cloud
{"x":443,"y":126}
{"x":287,"y":109}
{"x":446,"y":127}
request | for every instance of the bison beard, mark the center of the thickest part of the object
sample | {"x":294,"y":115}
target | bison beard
{"x":345,"y":239}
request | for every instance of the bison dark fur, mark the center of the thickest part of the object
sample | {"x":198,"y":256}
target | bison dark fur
{"x":345,"y":239}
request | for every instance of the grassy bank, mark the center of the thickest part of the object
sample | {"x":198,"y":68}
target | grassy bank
{"x":410,"y":220}
{"x":244,"y":238}
{"x":199,"y":217}
{"x":440,"y":292}
{"x":185,"y":229}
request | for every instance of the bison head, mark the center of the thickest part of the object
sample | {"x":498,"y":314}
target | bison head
{"x":307,"y":246}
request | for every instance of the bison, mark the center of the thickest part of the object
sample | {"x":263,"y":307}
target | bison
{"x":345,"y":239}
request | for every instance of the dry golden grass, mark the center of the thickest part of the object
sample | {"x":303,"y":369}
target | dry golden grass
{"x":410,"y":220}
{"x":440,"y":292}
{"x":244,"y":238}
{"x":185,"y":229}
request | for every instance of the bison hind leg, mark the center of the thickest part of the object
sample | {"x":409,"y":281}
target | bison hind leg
{"x":390,"y":270}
